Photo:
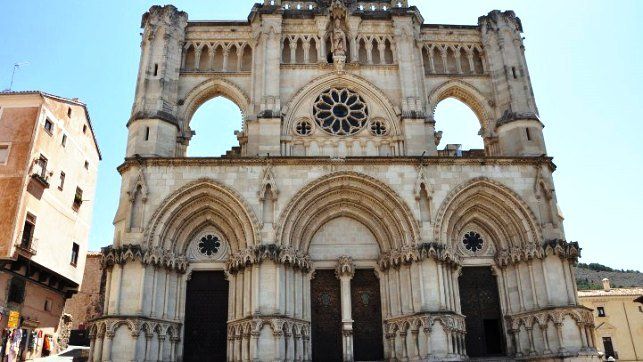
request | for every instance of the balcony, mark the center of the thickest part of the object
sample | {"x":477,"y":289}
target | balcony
{"x":28,"y":246}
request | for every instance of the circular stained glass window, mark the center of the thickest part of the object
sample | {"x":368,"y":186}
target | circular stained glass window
{"x":340,"y":112}
{"x":473,"y":241}
{"x":209,"y":245}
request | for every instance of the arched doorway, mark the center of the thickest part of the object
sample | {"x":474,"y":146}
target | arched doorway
{"x":480,"y":303}
{"x":206,"y":315}
{"x":331,"y":290}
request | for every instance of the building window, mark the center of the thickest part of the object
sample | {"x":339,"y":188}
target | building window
{"x":75,"y":250}
{"x":473,"y":241}
{"x":78,"y":198}
{"x":62,"y":181}
{"x":147,"y":133}
{"x":340,"y":111}
{"x":601,"y":311}
{"x":86,"y":165}
{"x":69,"y":112}
{"x":4,"y":154}
{"x":64,"y":141}
{"x":40,"y":168}
{"x":528,"y":134}
{"x":608,"y":347}
{"x":84,"y":128}
{"x":156,"y":70}
{"x":16,"y":290}
{"x":26,"y":240}
{"x":48,"y":304}
{"x":49,"y":127}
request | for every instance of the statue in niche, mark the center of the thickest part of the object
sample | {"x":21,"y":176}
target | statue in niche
{"x":339,"y":39}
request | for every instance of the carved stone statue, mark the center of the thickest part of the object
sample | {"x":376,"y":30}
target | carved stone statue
{"x":339,"y":39}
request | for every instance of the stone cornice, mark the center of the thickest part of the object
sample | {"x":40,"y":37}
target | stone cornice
{"x":277,"y":161}
{"x":450,"y":321}
{"x":541,"y":317}
{"x":107,"y":325}
{"x":154,"y":256}
{"x":408,"y":255}
{"x":276,"y":253}
{"x":561,"y":248}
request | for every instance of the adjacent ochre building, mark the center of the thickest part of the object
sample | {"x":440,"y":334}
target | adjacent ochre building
{"x":618,"y":320}
{"x":340,"y":228}
{"x":48,"y":168}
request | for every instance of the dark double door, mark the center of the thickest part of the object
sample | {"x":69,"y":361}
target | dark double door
{"x":206,"y":315}
{"x":326,"y":316}
{"x":480,"y":303}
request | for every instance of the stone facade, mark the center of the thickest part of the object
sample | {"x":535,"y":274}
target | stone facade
{"x":48,"y":153}
{"x":338,"y":168}
{"x":618,"y":320}
{"x":87,"y":304}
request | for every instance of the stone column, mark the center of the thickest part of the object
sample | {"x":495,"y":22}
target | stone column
{"x":345,"y":271}
{"x":107,"y":347}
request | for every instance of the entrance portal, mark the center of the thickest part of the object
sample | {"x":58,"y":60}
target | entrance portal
{"x":367,"y":316}
{"x":326,"y":316}
{"x":481,"y":306}
{"x":206,"y":315}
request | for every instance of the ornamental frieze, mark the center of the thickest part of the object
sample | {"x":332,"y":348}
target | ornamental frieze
{"x":276,"y":253}
{"x":155,"y":256}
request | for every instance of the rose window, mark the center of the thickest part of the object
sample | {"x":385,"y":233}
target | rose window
{"x":473,"y":241}
{"x":209,"y":245}
{"x":340,"y":112}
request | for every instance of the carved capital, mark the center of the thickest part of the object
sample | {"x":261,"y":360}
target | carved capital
{"x":345,"y":267}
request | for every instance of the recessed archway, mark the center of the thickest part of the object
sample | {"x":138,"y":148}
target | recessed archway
{"x":458,"y":123}
{"x":213,"y":127}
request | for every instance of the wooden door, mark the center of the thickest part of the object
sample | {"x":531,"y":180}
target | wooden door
{"x":206,"y":315}
{"x":367,"y":316}
{"x":480,"y":303}
{"x":326,"y":316}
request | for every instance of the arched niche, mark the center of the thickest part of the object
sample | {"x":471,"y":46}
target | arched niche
{"x":196,"y":206}
{"x":343,"y":236}
{"x":492,"y":207}
{"x":352,"y":195}
{"x":301,"y":104}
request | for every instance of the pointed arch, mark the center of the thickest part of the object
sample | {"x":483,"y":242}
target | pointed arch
{"x":207,"y":90}
{"x":354,"y":82}
{"x":199,"y":204}
{"x":467,"y":94}
{"x":353,"y":195}
{"x":491,"y":206}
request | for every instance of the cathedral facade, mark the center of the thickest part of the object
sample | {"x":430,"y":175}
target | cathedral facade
{"x":339,"y":228}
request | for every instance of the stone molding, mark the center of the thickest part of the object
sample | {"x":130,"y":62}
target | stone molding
{"x":504,"y":257}
{"x":131,"y":162}
{"x":412,"y":254}
{"x":107,"y":326}
{"x":582,"y":316}
{"x":450,"y":321}
{"x":157,"y":257}
{"x":279,"y":325}
{"x":276,"y":253}
{"x":559,"y":247}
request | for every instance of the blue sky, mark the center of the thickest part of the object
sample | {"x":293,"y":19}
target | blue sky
{"x":585,"y":59}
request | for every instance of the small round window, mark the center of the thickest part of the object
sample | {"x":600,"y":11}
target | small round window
{"x":209,"y":245}
{"x":472,"y":241}
{"x":303,"y":127}
{"x":340,"y":112}
{"x":378,"y":128}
